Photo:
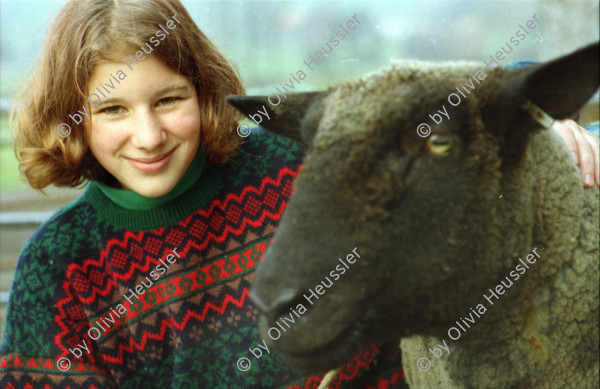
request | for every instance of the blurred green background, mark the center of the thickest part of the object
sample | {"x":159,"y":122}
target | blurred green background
{"x":268,"y":40}
{"x":9,"y":175}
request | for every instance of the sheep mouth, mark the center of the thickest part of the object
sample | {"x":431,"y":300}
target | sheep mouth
{"x":302,"y":350}
{"x":326,"y":356}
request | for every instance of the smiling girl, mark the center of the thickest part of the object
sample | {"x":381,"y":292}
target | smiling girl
{"x":143,"y":280}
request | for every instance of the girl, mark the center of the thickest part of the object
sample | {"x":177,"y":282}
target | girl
{"x":143,"y":280}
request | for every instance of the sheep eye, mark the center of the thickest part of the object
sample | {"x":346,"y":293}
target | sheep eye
{"x":439,"y":144}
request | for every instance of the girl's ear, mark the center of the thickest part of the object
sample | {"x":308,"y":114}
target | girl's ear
{"x":297,"y":117}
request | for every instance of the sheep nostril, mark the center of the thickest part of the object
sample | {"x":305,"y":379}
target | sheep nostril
{"x":258,"y":302}
{"x":276,"y":306}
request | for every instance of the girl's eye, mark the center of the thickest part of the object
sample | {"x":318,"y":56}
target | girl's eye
{"x":115,"y":109}
{"x":168,"y":100}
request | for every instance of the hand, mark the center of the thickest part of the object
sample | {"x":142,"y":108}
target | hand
{"x":584,"y":148}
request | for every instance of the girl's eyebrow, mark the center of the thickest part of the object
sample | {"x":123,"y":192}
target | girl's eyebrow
{"x":167,"y":89}
{"x":172,"y":88}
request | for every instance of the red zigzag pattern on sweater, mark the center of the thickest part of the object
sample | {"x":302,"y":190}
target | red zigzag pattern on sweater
{"x":104,"y":272}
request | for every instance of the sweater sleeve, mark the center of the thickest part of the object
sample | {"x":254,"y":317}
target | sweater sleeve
{"x":44,"y":322}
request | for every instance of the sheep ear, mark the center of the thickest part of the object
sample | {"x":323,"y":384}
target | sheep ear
{"x":287,"y":118}
{"x":559,"y":88}
{"x":562,"y":86}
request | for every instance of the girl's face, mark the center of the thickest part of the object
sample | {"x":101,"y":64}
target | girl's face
{"x":147,"y":130}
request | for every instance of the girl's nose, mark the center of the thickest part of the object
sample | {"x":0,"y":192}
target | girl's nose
{"x":148,"y":131}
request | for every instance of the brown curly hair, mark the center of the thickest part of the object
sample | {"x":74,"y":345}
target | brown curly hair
{"x":86,"y":32}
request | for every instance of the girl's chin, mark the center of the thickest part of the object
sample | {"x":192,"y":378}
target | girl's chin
{"x":155,"y":183}
{"x":151,"y":187}
{"x":152,"y":191}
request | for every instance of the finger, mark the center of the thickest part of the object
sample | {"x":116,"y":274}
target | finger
{"x":596,"y":151}
{"x":568,"y":137}
{"x":586,"y":153}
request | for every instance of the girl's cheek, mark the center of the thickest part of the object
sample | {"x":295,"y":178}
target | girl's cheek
{"x":107,"y":136}
{"x":193,"y":115}
{"x":184,"y":122}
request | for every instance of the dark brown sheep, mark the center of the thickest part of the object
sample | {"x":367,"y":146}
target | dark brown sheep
{"x":438,"y":221}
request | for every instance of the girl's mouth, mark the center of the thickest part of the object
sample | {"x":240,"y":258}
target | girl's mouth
{"x":151,"y":165}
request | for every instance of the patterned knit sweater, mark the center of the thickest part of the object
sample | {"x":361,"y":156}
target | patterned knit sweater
{"x":118,"y":290}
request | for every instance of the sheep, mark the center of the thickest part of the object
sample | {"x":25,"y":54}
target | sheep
{"x":438,"y":222}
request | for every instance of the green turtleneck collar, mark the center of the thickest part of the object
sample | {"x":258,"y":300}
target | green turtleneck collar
{"x":133,"y":201}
